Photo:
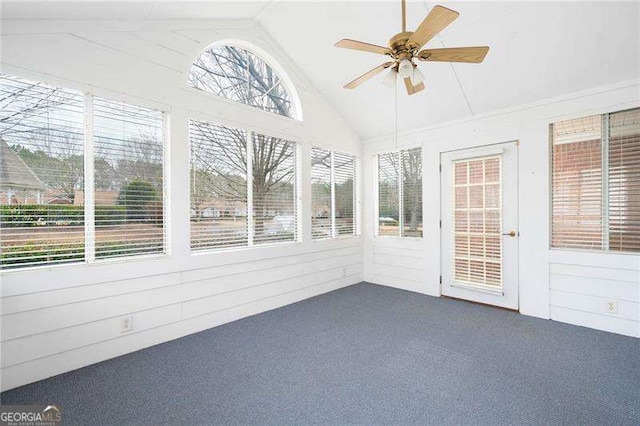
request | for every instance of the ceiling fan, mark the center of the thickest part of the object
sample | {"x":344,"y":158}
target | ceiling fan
{"x":404,"y":47}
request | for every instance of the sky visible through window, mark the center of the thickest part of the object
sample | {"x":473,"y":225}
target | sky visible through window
{"x":242,"y":76}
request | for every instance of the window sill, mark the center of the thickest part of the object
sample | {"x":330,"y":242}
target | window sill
{"x":595,"y":252}
{"x":242,"y":248}
{"x":399,"y":238}
{"x":84,"y":263}
{"x":339,"y":237}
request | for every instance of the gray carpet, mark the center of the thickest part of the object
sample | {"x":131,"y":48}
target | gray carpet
{"x":363,"y":354}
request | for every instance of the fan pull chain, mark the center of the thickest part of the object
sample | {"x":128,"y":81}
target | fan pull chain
{"x":395,"y":85}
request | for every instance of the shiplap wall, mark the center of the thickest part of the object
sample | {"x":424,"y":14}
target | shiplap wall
{"x":391,"y":261}
{"x":568,"y":286}
{"x":581,"y":284}
{"x":56,"y":319}
{"x":53,"y":331}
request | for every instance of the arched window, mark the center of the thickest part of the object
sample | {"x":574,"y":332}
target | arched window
{"x":236,"y":73}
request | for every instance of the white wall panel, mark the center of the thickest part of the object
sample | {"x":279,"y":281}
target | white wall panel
{"x":61,"y":362}
{"x":619,"y":290}
{"x":397,"y":261}
{"x":234,"y":283}
{"x":380,"y":250}
{"x":605,"y":274}
{"x":217,"y":302}
{"x":585,"y":283}
{"x":136,"y":47}
{"x":597,"y":321}
{"x":47,"y":319}
{"x":594,"y":304}
{"x":42,"y":299}
{"x":394,"y":271}
{"x":401,"y":283}
{"x":64,"y":339}
{"x":172,"y":41}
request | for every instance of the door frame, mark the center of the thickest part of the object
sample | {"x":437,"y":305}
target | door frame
{"x":484,"y":149}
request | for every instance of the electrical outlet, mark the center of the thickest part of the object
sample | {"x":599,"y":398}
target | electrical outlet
{"x":126,"y":324}
{"x":344,"y":272}
{"x":612,"y":307}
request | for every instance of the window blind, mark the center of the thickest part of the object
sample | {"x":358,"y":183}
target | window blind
{"x":344,"y":180}
{"x":577,"y":183}
{"x":388,"y":194}
{"x":41,"y":174}
{"x":400,"y":193}
{"x":274,"y":189}
{"x":218,"y":186}
{"x":478,"y":221}
{"x":128,"y":180}
{"x":412,"y":192}
{"x":624,"y":181}
{"x":321,"y":206}
{"x":596,"y":182}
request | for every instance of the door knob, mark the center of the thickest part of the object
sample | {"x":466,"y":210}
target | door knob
{"x":511,"y":233}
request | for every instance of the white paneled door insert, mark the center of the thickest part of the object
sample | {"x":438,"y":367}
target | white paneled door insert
{"x":479,"y":214}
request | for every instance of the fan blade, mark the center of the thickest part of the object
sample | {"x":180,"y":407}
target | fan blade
{"x":411,"y":89}
{"x":473,"y":55}
{"x":436,"y":21}
{"x":366,"y":76}
{"x":359,"y":45}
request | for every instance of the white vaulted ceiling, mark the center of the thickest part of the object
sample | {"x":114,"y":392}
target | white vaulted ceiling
{"x":538,"y":50}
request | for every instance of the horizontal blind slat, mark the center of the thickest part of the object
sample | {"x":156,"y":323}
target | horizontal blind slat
{"x":624,"y":181}
{"x":274,"y":191}
{"x":400,"y":170}
{"x":477,"y":221}
{"x":576,"y":187}
{"x":218,"y":186}
{"x":128,"y":180}
{"x":41,"y":174}
{"x":344,"y":182}
{"x":412,"y":192}
{"x":388,"y":194}
{"x":321,"y":207}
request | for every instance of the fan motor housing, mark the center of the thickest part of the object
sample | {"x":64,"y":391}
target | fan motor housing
{"x":398,"y":42}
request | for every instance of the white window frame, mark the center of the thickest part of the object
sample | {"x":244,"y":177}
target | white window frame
{"x":376,"y":189}
{"x":90,"y":155}
{"x":356,"y":197}
{"x":604,"y":117}
{"x":297,"y":198}
{"x":89,"y":190}
{"x":269,"y":60}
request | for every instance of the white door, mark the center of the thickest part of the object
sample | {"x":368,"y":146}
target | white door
{"x":479,"y":212}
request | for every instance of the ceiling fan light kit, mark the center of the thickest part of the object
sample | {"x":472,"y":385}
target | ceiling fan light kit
{"x":405,"y":68}
{"x":416,"y":76}
{"x":389,"y":80}
{"x":405,"y":46}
